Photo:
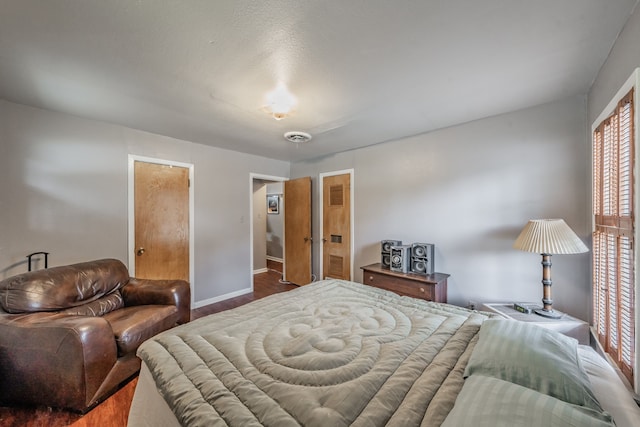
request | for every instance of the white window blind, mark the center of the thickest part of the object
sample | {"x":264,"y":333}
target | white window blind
{"x":613,"y":243}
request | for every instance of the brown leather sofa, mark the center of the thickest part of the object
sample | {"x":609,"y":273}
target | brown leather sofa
{"x":69,"y":335}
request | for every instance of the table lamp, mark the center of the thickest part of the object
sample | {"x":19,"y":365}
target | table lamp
{"x":548,"y":237}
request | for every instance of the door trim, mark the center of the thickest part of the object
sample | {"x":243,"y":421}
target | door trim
{"x":253,"y":176}
{"x":131,"y":214}
{"x":351,"y":216}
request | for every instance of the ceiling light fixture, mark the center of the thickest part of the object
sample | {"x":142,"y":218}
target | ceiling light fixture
{"x":297,"y":136}
{"x":280,"y":102}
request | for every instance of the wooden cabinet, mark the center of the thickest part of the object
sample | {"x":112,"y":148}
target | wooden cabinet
{"x":431,"y":287}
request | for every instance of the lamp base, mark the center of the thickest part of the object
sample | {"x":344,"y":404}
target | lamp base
{"x":552,"y":314}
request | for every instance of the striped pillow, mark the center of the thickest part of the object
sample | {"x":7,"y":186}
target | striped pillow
{"x":533,"y":357}
{"x":486,"y":401}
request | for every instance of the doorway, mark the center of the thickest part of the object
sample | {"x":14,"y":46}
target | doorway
{"x":267,"y":225}
{"x":336,"y":225}
{"x":289,"y":207}
{"x":266,"y":229}
{"x":160,"y":230}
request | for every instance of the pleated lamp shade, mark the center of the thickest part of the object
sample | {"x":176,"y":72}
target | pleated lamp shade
{"x":549,"y":236}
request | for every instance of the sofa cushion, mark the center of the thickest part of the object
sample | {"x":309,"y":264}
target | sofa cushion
{"x":134,"y":325}
{"x":62,"y":287}
{"x":99,"y":307}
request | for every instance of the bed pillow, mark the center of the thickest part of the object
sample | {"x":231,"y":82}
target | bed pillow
{"x":486,"y":401}
{"x":533,"y":357}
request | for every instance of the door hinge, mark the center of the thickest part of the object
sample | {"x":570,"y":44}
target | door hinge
{"x":189,"y":182}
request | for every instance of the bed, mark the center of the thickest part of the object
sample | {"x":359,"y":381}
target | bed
{"x":337,"y":353}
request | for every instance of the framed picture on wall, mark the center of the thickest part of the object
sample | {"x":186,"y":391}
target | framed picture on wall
{"x":273,"y":203}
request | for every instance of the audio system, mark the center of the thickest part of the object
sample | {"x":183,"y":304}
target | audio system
{"x":416,"y":258}
{"x":422,"y":258}
{"x":400,"y":258}
{"x":385,"y":251}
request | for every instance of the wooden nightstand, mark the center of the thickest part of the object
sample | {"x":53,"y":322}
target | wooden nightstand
{"x":567,"y":325}
{"x":432,"y":287}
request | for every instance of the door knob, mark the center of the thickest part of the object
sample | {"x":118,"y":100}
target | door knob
{"x":140,"y":251}
{"x":308,"y":239}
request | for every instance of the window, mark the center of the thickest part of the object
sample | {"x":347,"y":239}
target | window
{"x":613,"y":237}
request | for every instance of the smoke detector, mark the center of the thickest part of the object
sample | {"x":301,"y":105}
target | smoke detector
{"x":297,"y":137}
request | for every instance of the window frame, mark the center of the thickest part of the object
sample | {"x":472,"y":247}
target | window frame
{"x":632,"y":84}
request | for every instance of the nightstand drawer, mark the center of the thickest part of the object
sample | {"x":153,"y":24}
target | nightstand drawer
{"x":431,"y":287}
{"x":400,"y":286}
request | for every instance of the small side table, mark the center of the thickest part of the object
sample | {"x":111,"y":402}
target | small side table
{"x":567,"y":325}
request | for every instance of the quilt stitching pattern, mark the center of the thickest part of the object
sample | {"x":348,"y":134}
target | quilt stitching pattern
{"x":331,"y":353}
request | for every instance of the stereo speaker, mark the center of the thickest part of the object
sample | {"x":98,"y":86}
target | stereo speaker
{"x":385,"y":252}
{"x":422,"y":258}
{"x":420,"y":266}
{"x":400,"y":258}
{"x":385,"y":260}
{"x":386,"y":245}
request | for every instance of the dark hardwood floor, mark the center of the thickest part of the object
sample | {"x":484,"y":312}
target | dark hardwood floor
{"x":264,"y":284}
{"x":114,"y":411}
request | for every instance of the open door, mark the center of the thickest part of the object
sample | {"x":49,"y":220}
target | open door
{"x":297,"y":231}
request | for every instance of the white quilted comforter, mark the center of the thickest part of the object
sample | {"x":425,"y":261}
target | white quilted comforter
{"x":332,"y":353}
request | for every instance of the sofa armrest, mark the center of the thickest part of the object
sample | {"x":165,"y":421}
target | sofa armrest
{"x":161,"y":292}
{"x":54,"y":359}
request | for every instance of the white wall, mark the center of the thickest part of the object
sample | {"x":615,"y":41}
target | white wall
{"x":470,"y":189}
{"x":63,"y":189}
{"x":623,"y":59}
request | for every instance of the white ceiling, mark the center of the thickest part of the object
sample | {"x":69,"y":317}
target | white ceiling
{"x":364,"y":71}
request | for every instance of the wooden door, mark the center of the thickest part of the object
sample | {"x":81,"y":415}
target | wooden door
{"x":336,"y":227}
{"x":297,"y":231}
{"x":161,"y":194}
